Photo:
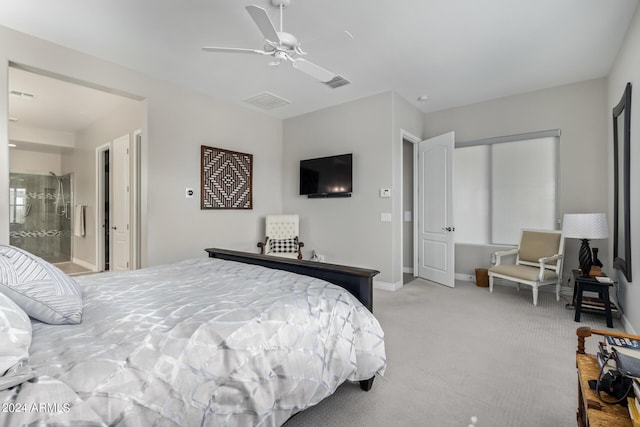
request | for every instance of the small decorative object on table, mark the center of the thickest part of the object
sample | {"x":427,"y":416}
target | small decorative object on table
{"x":596,"y":264}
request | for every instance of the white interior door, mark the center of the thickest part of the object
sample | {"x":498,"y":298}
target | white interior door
{"x":120,"y":205}
{"x":435,"y":208}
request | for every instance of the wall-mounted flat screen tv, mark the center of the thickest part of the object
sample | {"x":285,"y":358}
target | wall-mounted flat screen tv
{"x":327,"y":176}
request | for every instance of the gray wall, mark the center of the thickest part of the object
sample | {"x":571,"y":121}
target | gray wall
{"x":345,"y":230}
{"x":82,"y":160}
{"x":349,"y":231}
{"x":627,"y":69}
{"x":178,"y":121}
{"x":578,"y":110}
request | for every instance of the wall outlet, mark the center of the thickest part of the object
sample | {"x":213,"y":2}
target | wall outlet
{"x":317,"y":257}
{"x":385,"y":217}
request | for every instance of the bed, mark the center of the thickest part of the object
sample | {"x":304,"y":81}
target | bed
{"x":217,"y":340}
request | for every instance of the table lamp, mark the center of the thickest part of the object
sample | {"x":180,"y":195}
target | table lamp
{"x":585,"y":227}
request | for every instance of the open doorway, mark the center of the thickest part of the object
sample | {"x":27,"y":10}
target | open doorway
{"x":429,"y":209}
{"x":409,"y":202}
{"x":408,"y":232}
{"x":118,"y":203}
{"x":55,"y":125}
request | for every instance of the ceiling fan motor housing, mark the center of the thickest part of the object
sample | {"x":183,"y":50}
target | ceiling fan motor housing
{"x":288,"y":40}
{"x":278,"y":3}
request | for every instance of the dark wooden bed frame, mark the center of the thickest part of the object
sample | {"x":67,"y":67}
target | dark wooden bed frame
{"x":358,"y":281}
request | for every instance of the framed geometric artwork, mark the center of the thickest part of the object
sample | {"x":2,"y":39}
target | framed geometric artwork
{"x":227,"y":179}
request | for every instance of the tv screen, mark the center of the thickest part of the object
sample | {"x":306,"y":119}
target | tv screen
{"x":326,"y":176}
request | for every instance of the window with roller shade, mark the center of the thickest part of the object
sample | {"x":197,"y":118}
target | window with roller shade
{"x":502,"y":185}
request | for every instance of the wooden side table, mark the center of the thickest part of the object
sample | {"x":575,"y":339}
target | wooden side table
{"x":587,"y":283}
{"x":592,"y":411}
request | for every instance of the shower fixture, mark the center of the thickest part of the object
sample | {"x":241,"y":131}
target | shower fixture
{"x":61,"y":212}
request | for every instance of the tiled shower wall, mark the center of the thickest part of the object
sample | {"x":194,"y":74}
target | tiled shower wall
{"x":40,"y":215}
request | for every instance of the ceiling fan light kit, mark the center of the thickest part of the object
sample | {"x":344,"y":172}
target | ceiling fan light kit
{"x":282,"y":46}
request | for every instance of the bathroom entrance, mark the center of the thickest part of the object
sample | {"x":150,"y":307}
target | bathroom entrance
{"x":41,"y":214}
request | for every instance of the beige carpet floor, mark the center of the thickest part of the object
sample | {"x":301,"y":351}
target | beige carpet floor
{"x":463,"y":352}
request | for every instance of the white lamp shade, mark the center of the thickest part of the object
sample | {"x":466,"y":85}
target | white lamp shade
{"x":585,"y":226}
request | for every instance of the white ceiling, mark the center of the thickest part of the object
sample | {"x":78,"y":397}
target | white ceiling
{"x":456,"y":52}
{"x":57,"y":105}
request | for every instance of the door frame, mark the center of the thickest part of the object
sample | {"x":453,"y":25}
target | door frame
{"x":100,"y":243}
{"x":135,"y":207}
{"x":414,"y":140}
{"x":136,"y":198}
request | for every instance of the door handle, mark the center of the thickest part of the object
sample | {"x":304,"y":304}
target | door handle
{"x":113,"y":228}
{"x":449,"y":228}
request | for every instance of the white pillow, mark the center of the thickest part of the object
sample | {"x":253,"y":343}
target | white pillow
{"x":15,"y":338}
{"x":42,"y":290}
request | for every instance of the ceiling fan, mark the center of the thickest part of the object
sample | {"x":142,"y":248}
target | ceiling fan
{"x":283,"y":46}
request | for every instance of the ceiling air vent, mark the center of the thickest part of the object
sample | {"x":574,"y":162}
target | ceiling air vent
{"x":25,"y":95}
{"x":267,"y":101}
{"x":336,"y":82}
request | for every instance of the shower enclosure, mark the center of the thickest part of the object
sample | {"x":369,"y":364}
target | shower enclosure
{"x":41,"y":214}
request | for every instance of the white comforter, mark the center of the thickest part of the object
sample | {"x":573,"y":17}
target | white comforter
{"x":200,"y":342}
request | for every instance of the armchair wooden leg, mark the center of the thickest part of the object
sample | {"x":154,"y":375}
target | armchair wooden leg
{"x":263,"y":245}
{"x":535,"y":295}
{"x":490,"y":284}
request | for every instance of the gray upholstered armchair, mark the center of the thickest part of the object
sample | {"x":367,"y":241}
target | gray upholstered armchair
{"x":538,"y":262}
{"x":282,"y":237}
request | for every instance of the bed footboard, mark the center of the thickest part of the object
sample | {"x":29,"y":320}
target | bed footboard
{"x":358,"y":281}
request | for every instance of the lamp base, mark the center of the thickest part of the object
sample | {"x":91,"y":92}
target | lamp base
{"x":584,"y":257}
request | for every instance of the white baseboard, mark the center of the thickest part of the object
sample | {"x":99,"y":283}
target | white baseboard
{"x":386,"y":286}
{"x":465,"y":277}
{"x":408,"y":270}
{"x":84,"y":264}
{"x":627,"y":326}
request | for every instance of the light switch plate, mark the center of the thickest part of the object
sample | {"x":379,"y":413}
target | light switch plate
{"x":189,"y":193}
{"x":385,"y":192}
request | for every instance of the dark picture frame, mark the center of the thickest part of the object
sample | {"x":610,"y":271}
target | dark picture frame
{"x":226,"y":179}
{"x":621,"y":184}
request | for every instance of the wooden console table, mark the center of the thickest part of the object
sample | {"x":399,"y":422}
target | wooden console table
{"x":592,"y":411}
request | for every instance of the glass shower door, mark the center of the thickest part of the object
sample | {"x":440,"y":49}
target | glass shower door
{"x":40,"y":214}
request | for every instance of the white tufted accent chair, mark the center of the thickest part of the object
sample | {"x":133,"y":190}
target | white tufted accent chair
{"x":280,"y":227}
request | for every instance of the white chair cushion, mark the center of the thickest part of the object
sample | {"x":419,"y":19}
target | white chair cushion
{"x":522,"y":272}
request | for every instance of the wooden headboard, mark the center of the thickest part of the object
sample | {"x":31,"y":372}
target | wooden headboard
{"x":358,"y":281}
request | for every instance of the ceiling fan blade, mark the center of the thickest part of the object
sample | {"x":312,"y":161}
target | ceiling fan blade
{"x":313,"y":70}
{"x":233,"y":50}
{"x":262,"y":20}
